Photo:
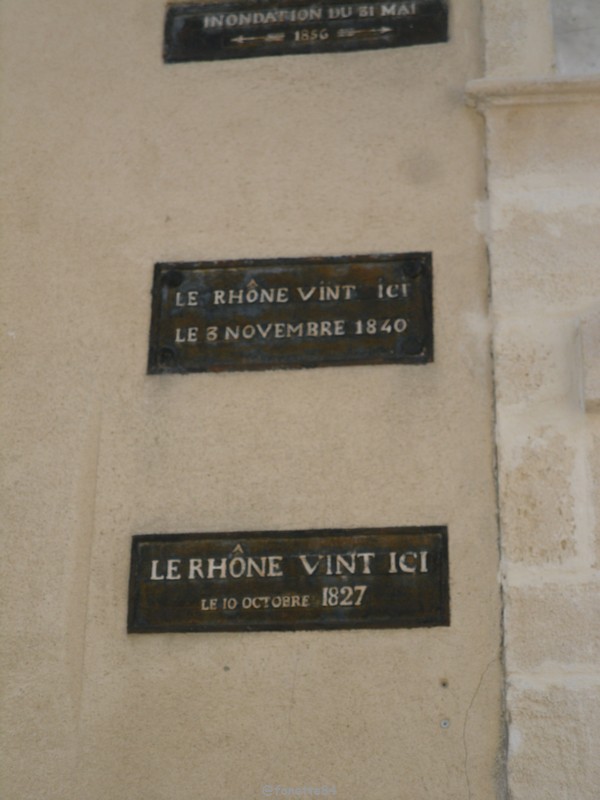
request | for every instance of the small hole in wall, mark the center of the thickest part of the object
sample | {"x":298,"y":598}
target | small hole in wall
{"x":444,"y":683}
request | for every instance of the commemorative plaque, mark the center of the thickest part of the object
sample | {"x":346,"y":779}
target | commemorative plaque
{"x":287,"y":313}
{"x":195,"y":32}
{"x":289,"y":580}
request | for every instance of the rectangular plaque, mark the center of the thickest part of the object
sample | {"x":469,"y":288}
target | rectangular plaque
{"x":289,"y":580}
{"x":195,"y":32}
{"x":285,"y":313}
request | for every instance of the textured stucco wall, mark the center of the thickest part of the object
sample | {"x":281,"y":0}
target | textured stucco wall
{"x":113,"y":161}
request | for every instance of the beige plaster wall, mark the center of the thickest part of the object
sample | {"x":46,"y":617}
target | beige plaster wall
{"x":113,"y":161}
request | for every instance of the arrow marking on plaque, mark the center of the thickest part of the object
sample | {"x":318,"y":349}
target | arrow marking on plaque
{"x":270,"y":37}
{"x":348,"y":33}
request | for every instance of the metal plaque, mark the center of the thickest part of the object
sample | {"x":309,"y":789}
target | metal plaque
{"x":195,"y":32}
{"x":289,"y":580}
{"x":242,"y":315}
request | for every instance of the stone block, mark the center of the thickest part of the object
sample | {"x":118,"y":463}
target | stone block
{"x":533,"y":361}
{"x":577,"y":36}
{"x":594,"y":463}
{"x":518,"y":37}
{"x":536,"y":499}
{"x":544,"y":204}
{"x":590,"y":360}
{"x":552,"y":624}
{"x":553,"y":744}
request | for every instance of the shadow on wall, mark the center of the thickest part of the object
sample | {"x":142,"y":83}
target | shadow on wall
{"x":577,"y":36}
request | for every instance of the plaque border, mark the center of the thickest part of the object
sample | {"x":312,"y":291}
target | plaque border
{"x":425,"y":257}
{"x":442,"y":620}
{"x":431,"y":27}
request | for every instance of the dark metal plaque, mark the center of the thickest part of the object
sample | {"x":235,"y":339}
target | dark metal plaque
{"x":289,"y":580}
{"x":241,"y":315}
{"x":195,"y":32}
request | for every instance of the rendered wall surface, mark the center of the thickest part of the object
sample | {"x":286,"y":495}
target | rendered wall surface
{"x":114,"y":161}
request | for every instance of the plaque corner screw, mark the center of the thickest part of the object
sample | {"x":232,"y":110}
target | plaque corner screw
{"x":173,"y":278}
